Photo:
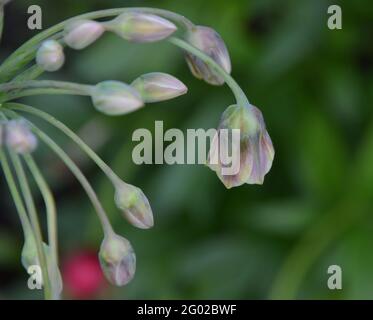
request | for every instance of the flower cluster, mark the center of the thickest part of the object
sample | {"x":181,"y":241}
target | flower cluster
{"x":208,"y":59}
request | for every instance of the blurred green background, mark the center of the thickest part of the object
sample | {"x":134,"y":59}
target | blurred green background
{"x":315,"y":89}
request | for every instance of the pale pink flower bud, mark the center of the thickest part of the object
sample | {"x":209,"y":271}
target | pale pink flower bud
{"x":157,"y":86}
{"x":115,"y":98}
{"x":141,"y":27}
{"x":79,"y":34}
{"x":50,"y":56}
{"x":256,"y":151}
{"x":134,"y":205}
{"x":211,"y":43}
{"x":19,"y":137}
{"x":117,"y":259}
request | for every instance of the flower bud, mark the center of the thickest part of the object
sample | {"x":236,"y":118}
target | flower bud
{"x":211,"y":43}
{"x":255,"y":153}
{"x":79,"y":34}
{"x":117,"y":259}
{"x":29,"y":255}
{"x":115,"y":98}
{"x":50,"y":56}
{"x":134,"y":205}
{"x":19,"y":137}
{"x":140,"y":27}
{"x":157,"y":86}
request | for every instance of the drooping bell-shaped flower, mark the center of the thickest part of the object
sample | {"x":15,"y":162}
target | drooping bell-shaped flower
{"x":50,"y":56}
{"x":115,"y":98}
{"x":157,"y":86}
{"x":134,"y":205}
{"x":210,"y":42}
{"x":117,"y":259}
{"x":79,"y":34}
{"x":19,"y":137}
{"x":141,"y":27}
{"x":254,"y":152}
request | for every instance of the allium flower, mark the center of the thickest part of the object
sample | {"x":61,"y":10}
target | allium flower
{"x":19,"y":137}
{"x":50,"y":56}
{"x":79,"y":34}
{"x":256,"y":151}
{"x":157,"y":86}
{"x":115,"y":98}
{"x":118,"y":260}
{"x":140,"y":27}
{"x":134,"y":205}
{"x":210,"y":42}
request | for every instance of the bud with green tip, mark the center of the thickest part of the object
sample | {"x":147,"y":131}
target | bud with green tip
{"x":117,"y":259}
{"x":115,"y":98}
{"x":141,"y":27}
{"x":134,"y":205}
{"x":256,"y":151}
{"x":79,"y":34}
{"x":50,"y":56}
{"x":19,"y":137}
{"x":29,"y":255}
{"x":210,"y":42}
{"x":157,"y":86}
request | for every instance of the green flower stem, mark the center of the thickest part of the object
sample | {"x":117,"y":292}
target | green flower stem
{"x":26,"y":52}
{"x":237,"y":91}
{"x":37,"y":92}
{"x":26,"y":226}
{"x":112,"y":176}
{"x":25,"y":188}
{"x":107,"y":228}
{"x":43,"y":86}
{"x":49,"y":204}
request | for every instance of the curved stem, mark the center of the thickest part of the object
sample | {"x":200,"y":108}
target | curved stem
{"x":25,"y":188}
{"x":107,"y":228}
{"x":33,"y":87}
{"x":26,"y":52}
{"x":62,"y":127}
{"x":46,"y":84}
{"x":49,"y":204}
{"x":238,"y":92}
{"x":26,"y":226}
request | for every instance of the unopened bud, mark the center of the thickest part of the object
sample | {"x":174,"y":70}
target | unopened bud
{"x":211,"y":43}
{"x":117,"y":259}
{"x":79,"y":34}
{"x":29,"y":255}
{"x":115,"y":98}
{"x":140,"y":27}
{"x":19,"y":137}
{"x":50,"y":56}
{"x":157,"y":86}
{"x":134,"y":205}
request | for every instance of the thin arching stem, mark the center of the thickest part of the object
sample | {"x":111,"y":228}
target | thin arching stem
{"x":59,"y":125}
{"x":25,"y":188}
{"x":106,"y":225}
{"x":49,"y":204}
